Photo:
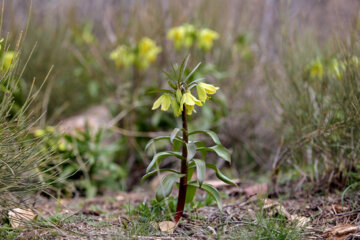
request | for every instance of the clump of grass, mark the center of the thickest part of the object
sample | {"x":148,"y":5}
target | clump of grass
{"x":266,"y":227}
{"x":20,"y":154}
{"x":319,"y":100}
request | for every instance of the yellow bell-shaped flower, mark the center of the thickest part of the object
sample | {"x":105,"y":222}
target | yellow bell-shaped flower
{"x":176,"y":108}
{"x":189,"y":101}
{"x":164,"y":101}
{"x":203,"y":89}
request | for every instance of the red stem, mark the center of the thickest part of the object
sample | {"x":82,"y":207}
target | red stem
{"x":184,"y":170}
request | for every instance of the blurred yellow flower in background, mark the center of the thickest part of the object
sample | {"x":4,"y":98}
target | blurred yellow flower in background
{"x":142,"y":55}
{"x":122,"y":56}
{"x":7,"y":60}
{"x":206,"y":38}
{"x":147,"y":52}
{"x":182,"y":36}
{"x":316,"y":69}
{"x":337,"y":68}
{"x":176,"y":34}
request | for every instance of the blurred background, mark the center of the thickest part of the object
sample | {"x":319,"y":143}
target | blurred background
{"x":288,"y":73}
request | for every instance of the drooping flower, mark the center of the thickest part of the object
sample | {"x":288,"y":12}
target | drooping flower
{"x":189,"y":109}
{"x":178,"y":95}
{"x":164,"y":101}
{"x":176,"y":108}
{"x":189,"y":101}
{"x":203,"y":89}
{"x":206,"y":39}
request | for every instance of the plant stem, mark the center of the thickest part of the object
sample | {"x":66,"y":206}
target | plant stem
{"x":184,"y":170}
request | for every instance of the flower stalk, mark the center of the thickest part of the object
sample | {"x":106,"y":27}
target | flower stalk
{"x":183,"y":170}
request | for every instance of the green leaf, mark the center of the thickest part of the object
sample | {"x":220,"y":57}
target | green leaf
{"x":169,"y":76}
{"x":199,"y":146}
{"x":220,"y":150}
{"x":158,"y":171}
{"x":152,"y":141}
{"x":213,"y":192}
{"x":177,"y":145}
{"x":190,"y":172}
{"x":200,"y":170}
{"x":160,"y":156}
{"x":187,"y":79}
{"x":161,"y":91}
{"x":166,"y":185}
{"x":190,"y":193}
{"x":194,"y":83}
{"x":172,"y":85}
{"x":191,"y":151}
{"x":220,"y":175}
{"x":174,"y":134}
{"x":212,"y":134}
{"x":183,"y":67}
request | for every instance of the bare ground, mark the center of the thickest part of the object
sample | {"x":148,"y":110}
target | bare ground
{"x":107,"y":217}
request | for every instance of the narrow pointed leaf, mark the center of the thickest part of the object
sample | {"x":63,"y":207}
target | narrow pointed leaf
{"x":190,"y":193}
{"x":200,"y":170}
{"x":190,"y":173}
{"x":187,"y":79}
{"x":193,"y":83}
{"x":166,"y":186}
{"x":169,"y":76}
{"x":172,"y":85}
{"x":158,"y":171}
{"x":161,"y":156}
{"x":160,"y":91}
{"x":191,"y":151}
{"x":174,"y":134}
{"x":220,"y":175}
{"x":220,"y":150}
{"x":183,"y":67}
{"x":199,"y":146}
{"x":177,"y":145}
{"x":154,"y":140}
{"x":212,"y":134}
{"x":213,"y":192}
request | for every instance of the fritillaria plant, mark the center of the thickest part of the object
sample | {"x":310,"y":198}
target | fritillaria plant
{"x":193,"y":153}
